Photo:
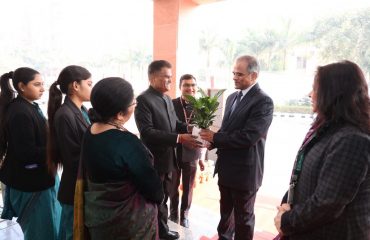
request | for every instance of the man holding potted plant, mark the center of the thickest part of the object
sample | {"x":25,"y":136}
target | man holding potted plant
{"x":159,"y":130}
{"x":240,"y":144}
{"x":187,"y":158}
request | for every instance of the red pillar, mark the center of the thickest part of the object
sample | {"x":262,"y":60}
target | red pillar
{"x":168,"y":14}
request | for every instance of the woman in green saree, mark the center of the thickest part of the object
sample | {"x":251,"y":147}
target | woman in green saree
{"x":121,"y":189}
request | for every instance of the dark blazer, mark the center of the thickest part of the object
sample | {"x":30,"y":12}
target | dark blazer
{"x":184,"y":154}
{"x":158,"y":126}
{"x":240,"y":142}
{"x":24,"y":167}
{"x":70,"y":127}
{"x":332,"y":196}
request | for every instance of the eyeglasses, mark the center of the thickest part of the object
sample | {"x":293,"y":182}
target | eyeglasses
{"x":187,"y":85}
{"x":133,"y":103}
{"x":239,"y":74}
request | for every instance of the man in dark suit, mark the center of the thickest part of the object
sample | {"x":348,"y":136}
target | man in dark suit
{"x":159,"y":127}
{"x":240,"y":144}
{"x":187,"y":158}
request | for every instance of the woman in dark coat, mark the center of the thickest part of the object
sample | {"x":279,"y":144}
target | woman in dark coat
{"x":30,"y":189}
{"x":329,"y":194}
{"x":67,"y":125}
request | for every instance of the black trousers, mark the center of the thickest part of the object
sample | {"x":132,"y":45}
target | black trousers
{"x":162,"y":208}
{"x":237,"y":214}
{"x":186,"y":171}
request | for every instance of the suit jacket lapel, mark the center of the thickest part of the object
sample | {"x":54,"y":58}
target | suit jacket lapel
{"x":167,"y":103}
{"x":169,"y":109}
{"x":228,"y":107}
{"x":179,"y":110}
{"x":76,"y":111}
{"x":243,"y":103}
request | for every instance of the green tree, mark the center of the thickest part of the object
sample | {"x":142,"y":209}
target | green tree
{"x":344,"y":37}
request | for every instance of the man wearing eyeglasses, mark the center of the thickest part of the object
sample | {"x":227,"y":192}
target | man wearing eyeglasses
{"x":161,"y":131}
{"x":187,"y":158}
{"x":240,"y":144}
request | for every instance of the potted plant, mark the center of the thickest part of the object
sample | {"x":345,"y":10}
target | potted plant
{"x":204,"y":108}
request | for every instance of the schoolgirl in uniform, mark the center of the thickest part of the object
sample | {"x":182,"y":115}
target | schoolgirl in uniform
{"x":30,"y":189}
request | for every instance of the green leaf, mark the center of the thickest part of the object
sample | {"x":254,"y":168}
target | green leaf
{"x":204,"y":108}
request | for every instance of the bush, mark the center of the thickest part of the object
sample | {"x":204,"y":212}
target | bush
{"x":293,"y":109}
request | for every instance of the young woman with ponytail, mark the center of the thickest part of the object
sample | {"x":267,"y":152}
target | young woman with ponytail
{"x":30,"y":193}
{"x":67,"y":124}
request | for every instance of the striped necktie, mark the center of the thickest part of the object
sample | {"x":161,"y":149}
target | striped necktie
{"x":237,"y":101}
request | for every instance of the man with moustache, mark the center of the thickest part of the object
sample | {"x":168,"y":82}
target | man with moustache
{"x":240,"y":144}
{"x":159,"y":127}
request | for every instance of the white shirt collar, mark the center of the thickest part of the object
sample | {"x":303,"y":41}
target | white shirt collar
{"x":245,"y":91}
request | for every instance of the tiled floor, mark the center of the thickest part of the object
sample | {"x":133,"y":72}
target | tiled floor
{"x":204,"y":213}
{"x":203,"y":216}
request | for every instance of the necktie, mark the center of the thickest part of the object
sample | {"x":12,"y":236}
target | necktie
{"x":85,"y":115}
{"x":237,"y":101}
{"x":39,"y":110}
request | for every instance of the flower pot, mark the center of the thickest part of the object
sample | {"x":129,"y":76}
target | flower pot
{"x":196,"y":132}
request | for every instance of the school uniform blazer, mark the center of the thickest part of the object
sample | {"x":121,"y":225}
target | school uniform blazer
{"x":158,"y":126}
{"x":240,"y":142}
{"x":332,"y":197}
{"x":69,"y":126}
{"x":24,"y":167}
{"x":184,"y":154}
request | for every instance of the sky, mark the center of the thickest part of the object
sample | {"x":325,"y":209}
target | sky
{"x":79,"y":26}
{"x":83,"y":25}
{"x":229,"y":16}
{"x":132,"y":16}
{"x":93,"y":29}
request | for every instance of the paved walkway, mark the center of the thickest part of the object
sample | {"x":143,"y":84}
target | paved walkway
{"x":284,"y":138}
{"x":204,"y":213}
{"x":203,"y":216}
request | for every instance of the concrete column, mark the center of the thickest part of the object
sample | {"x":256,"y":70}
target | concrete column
{"x":166,"y":24}
{"x":171,"y":17}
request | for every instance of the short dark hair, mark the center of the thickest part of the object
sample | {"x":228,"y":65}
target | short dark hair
{"x":342,"y":95}
{"x":157,"y":65}
{"x":186,"y":77}
{"x":110,"y":96}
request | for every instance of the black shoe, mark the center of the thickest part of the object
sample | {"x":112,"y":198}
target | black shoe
{"x":184,"y":222}
{"x":174,"y":219}
{"x":170,"y":235}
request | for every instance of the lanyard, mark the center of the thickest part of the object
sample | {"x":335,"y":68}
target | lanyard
{"x":311,"y":138}
{"x":297,"y":169}
{"x":187,"y":119}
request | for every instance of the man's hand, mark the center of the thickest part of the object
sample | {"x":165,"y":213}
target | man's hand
{"x":281,"y":210}
{"x":190,"y":128}
{"x":189,"y":141}
{"x":207,"y":135}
